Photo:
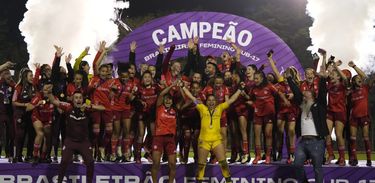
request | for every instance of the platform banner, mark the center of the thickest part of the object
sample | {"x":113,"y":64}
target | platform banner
{"x":213,"y":29}
{"x":138,"y":173}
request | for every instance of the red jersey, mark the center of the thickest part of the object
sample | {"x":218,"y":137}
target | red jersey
{"x":149,"y":96}
{"x":240,"y":102}
{"x":43,"y":112}
{"x":312,"y":87}
{"x":165,"y":122}
{"x":264,"y":103}
{"x":336,"y":97}
{"x":101,"y":94}
{"x":219,"y":93}
{"x":71,"y":88}
{"x":285,"y":89}
{"x":121,"y":99}
{"x":360,"y":101}
{"x":23,"y":95}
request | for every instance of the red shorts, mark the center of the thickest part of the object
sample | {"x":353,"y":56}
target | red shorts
{"x":167,"y":142}
{"x":336,"y":116}
{"x":119,"y":115}
{"x":99,"y":116}
{"x":36,"y":117}
{"x":260,"y":120}
{"x":287,"y":117}
{"x":361,"y":121}
{"x":242,"y":110}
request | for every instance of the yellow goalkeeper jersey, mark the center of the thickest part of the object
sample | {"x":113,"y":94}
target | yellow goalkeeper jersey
{"x":210,"y":121}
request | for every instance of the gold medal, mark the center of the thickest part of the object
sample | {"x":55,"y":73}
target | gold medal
{"x":62,"y":95}
{"x":43,"y":102}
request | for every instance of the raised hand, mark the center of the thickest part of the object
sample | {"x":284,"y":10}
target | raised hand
{"x":191,"y":44}
{"x":59,"y":51}
{"x":102,"y":46}
{"x":8,"y":65}
{"x":37,"y":65}
{"x":87,"y":49}
{"x":68,"y":58}
{"x":196,"y":39}
{"x":133,"y":46}
{"x":161,"y":48}
{"x":351,"y":64}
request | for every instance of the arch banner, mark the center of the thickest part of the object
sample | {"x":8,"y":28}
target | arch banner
{"x":213,"y":30}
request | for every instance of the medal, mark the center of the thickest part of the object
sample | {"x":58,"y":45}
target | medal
{"x":43,"y":102}
{"x":62,"y":95}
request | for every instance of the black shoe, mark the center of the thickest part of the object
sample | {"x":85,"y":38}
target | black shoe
{"x":264,"y":157}
{"x":18,"y":159}
{"x":55,"y":160}
{"x":369,"y":163}
{"x":165,"y":157}
{"x":46,"y":160}
{"x":29,"y":159}
{"x":233,"y":158}
{"x":76,"y":158}
{"x":353,"y":162}
{"x":99,"y":159}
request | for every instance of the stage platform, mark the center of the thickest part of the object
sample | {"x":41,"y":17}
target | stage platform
{"x":277,"y":172}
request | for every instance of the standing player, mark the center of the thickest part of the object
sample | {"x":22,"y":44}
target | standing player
{"x":210,"y":138}
{"x":359,"y":113}
{"x":336,"y":112}
{"x":165,"y":134}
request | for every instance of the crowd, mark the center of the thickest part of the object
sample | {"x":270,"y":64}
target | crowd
{"x":156,"y":107}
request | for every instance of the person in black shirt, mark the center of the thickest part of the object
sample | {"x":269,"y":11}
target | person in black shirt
{"x":77,"y":133}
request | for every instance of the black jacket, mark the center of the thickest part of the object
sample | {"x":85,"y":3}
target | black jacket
{"x":318,"y":109}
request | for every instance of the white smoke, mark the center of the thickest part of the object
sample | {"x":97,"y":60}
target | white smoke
{"x":345,"y":28}
{"x":72,"y":24}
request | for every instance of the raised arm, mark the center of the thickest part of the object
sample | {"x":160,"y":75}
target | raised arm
{"x":80,"y":58}
{"x":167,"y":59}
{"x":342,"y":75}
{"x":358,"y":70}
{"x":6,"y":65}
{"x":37,"y":74}
{"x":68,"y":58}
{"x":189,"y":95}
{"x":159,"y":62}
{"x":133,"y":46}
{"x":99,"y":57}
{"x":190,"y":59}
{"x":159,"y":101}
{"x":297,"y":94}
{"x":55,"y":76}
{"x":274,"y":68}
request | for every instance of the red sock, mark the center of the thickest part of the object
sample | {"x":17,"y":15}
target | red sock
{"x":342,"y":152}
{"x":245,"y":147}
{"x":36,"y":150}
{"x":268,"y":150}
{"x":125,"y":145}
{"x":257,"y":150}
{"x":291,"y":149}
{"x":353,"y":147}
{"x":368,"y":148}
{"x":329,"y":149}
{"x":113,"y":145}
{"x":44,"y":154}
